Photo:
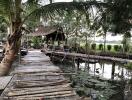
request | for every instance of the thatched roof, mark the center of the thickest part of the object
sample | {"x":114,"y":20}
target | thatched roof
{"x":46,"y":30}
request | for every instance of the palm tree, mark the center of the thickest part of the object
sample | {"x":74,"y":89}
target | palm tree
{"x":16,"y":13}
{"x":103,"y":22}
{"x":126,"y":42}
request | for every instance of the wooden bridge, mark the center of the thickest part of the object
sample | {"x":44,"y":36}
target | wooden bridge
{"x":86,"y":56}
{"x":36,"y":78}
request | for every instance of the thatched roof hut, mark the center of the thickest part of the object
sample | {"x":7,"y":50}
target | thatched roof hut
{"x":55,"y":33}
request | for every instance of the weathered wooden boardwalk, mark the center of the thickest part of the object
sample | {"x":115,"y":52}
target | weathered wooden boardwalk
{"x":36,"y":78}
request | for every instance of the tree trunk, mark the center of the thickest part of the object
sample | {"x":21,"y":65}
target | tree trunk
{"x":13,"y":39}
{"x":11,"y":51}
{"x":66,"y":41}
{"x":50,"y":1}
{"x":105,"y":42}
{"x":86,"y":46}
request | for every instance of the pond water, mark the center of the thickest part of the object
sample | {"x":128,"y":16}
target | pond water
{"x":108,"y":70}
{"x":103,"y":80}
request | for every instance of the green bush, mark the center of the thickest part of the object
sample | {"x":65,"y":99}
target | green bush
{"x":130,"y":49}
{"x":109,"y":47}
{"x":36,"y":41}
{"x":130,"y":81}
{"x":120,"y":48}
{"x":128,"y":66}
{"x":100,"y":46}
{"x":93,"y":46}
{"x":116,"y":47}
{"x":126,"y":48}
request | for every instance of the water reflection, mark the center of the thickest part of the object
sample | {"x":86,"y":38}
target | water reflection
{"x":108,"y":70}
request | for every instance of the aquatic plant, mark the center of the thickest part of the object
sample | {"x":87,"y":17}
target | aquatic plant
{"x":86,"y":85}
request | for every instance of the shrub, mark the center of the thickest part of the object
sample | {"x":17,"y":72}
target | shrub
{"x":116,"y":47}
{"x":130,"y":81}
{"x":128,"y":66}
{"x":120,"y":48}
{"x":109,"y":47}
{"x":36,"y":42}
{"x":130,"y":49}
{"x":93,"y":46}
{"x":126,"y":48}
{"x":100,"y":46}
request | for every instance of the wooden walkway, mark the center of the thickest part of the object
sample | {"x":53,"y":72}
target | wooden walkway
{"x":36,"y":78}
{"x":79,"y":55}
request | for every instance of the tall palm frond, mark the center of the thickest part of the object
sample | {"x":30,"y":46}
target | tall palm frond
{"x":60,"y":7}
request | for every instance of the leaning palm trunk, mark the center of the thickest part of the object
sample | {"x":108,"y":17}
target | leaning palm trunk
{"x":11,"y":51}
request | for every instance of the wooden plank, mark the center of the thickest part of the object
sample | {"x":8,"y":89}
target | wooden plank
{"x":42,"y":90}
{"x":59,"y":93}
{"x":55,"y":97}
{"x":38,"y":83}
{"x":4,"y":81}
{"x":35,"y":71}
{"x":67,"y":85}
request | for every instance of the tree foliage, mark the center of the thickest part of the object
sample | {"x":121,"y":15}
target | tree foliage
{"x":120,"y":14}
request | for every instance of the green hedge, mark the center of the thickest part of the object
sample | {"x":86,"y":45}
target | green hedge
{"x":109,"y":47}
{"x":93,"y":46}
{"x":116,"y":47}
{"x":100,"y":46}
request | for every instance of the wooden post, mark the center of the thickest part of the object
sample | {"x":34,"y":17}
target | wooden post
{"x":87,"y":52}
{"x":113,"y":71}
{"x":94,"y":69}
{"x":122,"y":73}
{"x":102,"y":67}
{"x":78,"y":63}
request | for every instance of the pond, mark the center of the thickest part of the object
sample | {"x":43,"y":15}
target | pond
{"x":102,"y":80}
{"x":108,"y":70}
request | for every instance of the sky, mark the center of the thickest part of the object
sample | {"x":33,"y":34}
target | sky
{"x":109,"y":37}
